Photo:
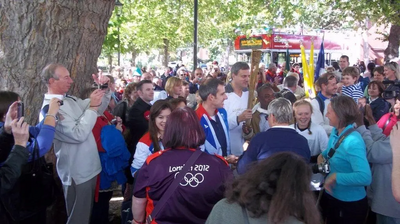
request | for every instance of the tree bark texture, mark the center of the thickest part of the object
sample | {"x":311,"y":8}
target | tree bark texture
{"x":392,"y":51}
{"x":37,"y":32}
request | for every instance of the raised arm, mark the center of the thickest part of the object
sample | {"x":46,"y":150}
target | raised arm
{"x":11,"y":169}
{"x":395,"y":143}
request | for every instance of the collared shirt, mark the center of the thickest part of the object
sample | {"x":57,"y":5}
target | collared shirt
{"x":264,"y":125}
{"x":219,"y":132}
{"x":283,"y":126}
{"x":216,"y":131}
{"x":322,"y":96}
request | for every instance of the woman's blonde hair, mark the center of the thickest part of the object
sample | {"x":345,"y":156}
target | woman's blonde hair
{"x":394,"y":67}
{"x":171,"y":83}
{"x":301,"y":103}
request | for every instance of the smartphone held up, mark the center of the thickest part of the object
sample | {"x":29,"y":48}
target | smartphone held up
{"x":20,"y":110}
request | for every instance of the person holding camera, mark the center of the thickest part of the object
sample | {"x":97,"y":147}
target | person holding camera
{"x":12,"y":168}
{"x":114,"y":157}
{"x":78,"y":162}
{"x":344,"y":200}
{"x":42,"y":133}
{"x":388,"y":120}
{"x":41,"y":136}
{"x":379,"y":155}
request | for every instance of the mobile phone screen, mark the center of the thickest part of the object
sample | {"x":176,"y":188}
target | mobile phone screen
{"x":20,"y":111}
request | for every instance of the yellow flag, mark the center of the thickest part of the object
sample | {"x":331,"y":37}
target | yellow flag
{"x":308,"y":71}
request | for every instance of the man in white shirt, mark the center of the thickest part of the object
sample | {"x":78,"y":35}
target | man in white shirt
{"x":236,"y":106}
{"x":328,"y":85}
{"x":78,"y":162}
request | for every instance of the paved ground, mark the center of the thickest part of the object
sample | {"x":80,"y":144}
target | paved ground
{"x":115,"y":208}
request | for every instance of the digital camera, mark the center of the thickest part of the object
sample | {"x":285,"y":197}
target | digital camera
{"x":102,"y":86}
{"x":321,"y":168}
{"x":392,"y":89}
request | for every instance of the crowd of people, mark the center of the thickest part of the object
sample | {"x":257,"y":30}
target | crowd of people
{"x":186,"y":148}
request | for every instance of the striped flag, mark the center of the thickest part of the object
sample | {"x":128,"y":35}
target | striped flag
{"x":321,"y":61}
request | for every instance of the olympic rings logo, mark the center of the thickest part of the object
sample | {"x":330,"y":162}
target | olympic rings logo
{"x":191,"y":180}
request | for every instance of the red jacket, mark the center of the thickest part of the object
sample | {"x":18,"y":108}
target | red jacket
{"x":102,"y":121}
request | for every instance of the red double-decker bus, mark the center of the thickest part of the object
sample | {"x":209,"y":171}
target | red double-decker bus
{"x":274,"y":46}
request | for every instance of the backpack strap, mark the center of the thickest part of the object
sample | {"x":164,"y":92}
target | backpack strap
{"x":321,"y":104}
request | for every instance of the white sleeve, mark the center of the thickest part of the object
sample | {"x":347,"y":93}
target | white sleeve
{"x":232,"y":117}
{"x":318,"y":118}
{"x":322,"y":139}
{"x":74,"y":131}
{"x":141,"y":154}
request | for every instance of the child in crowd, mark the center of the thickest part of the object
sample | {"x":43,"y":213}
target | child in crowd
{"x":351,"y":87}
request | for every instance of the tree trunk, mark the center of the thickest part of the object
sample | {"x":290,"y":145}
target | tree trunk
{"x":166,"y":43}
{"x":110,"y":61}
{"x":34,"y":33}
{"x":133,"y":54}
{"x":392,"y":51}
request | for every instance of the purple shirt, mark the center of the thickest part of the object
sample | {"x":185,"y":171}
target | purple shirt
{"x":201,"y":188}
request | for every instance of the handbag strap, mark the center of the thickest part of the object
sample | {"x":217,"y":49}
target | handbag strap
{"x":173,"y":185}
{"x":344,"y":135}
{"x":245,"y":216}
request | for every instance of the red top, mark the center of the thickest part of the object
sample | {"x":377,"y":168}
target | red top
{"x":387,"y":122}
{"x":102,"y":121}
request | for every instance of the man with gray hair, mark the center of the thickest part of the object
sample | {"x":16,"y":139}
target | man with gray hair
{"x":271,"y":73}
{"x":279,"y":138}
{"x":78,"y":162}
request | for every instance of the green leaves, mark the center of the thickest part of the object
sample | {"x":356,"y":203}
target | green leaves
{"x":145,"y":23}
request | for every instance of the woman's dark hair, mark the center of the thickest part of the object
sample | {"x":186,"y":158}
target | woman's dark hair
{"x":155,"y":110}
{"x":371,"y":67}
{"x":183,"y":129}
{"x":380,"y":86}
{"x":378,"y":70}
{"x":345,"y":109}
{"x":6,"y":99}
{"x":278,"y":186}
{"x":176,"y":101}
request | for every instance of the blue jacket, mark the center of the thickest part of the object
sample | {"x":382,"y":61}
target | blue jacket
{"x":350,"y":165}
{"x":43,"y":134}
{"x":274,"y":140}
{"x":115,"y":159}
{"x":211,"y":145}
